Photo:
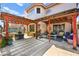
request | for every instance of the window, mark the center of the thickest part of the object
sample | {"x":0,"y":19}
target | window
{"x":58,"y":28}
{"x":31,"y":28}
{"x":0,"y":28}
{"x":78,"y":26}
{"x":38,"y":10}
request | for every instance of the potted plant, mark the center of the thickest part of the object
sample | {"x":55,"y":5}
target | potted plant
{"x":0,"y":40}
{"x":3,"y":42}
{"x":10,"y":40}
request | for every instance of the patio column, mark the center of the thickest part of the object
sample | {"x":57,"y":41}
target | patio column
{"x":36,"y":31}
{"x":6,"y":27}
{"x":74,"y":32}
{"x":49,"y":29}
{"x":27,"y":28}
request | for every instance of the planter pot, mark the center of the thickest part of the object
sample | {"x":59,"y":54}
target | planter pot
{"x":9,"y":43}
{"x":0,"y":42}
{"x":3,"y":42}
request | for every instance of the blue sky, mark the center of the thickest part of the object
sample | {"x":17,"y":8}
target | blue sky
{"x":14,"y":8}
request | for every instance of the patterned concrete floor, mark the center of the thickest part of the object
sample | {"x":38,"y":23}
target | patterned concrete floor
{"x":34,"y":47}
{"x":27,"y":47}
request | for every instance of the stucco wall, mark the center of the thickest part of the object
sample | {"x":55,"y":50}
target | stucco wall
{"x":33,"y":15}
{"x":60,"y":8}
{"x":43,"y":26}
{"x":67,"y":27}
{"x":50,"y":11}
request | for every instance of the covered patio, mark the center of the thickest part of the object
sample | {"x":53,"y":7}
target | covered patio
{"x":65,"y":19}
{"x":61,"y":18}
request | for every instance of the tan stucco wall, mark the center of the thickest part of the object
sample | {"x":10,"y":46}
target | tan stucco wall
{"x":61,"y":7}
{"x":67,"y":27}
{"x":34,"y":15}
{"x":43,"y":26}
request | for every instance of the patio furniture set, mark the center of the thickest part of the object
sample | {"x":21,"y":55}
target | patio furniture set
{"x":58,"y":36}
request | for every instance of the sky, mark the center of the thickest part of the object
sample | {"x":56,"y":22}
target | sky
{"x":14,"y":8}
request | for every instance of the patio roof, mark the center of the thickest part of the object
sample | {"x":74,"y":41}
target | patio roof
{"x":57,"y":17}
{"x":16,"y":19}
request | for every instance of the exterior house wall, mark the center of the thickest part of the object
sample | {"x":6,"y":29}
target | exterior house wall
{"x":67,"y":27}
{"x":33,"y":15}
{"x":52,"y":27}
{"x":60,"y":8}
{"x":42,"y":26}
{"x":50,"y":11}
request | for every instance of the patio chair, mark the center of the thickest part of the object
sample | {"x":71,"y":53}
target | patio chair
{"x":19,"y":36}
{"x":54,"y":35}
{"x":43,"y":35}
{"x":70,"y":38}
{"x":66,"y":36}
{"x":60,"y":35}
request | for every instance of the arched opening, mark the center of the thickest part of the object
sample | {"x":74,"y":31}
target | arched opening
{"x":31,"y":29}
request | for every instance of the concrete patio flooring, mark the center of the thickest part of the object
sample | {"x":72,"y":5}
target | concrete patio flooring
{"x":55,"y":51}
{"x":27,"y":47}
{"x":37,"y":47}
